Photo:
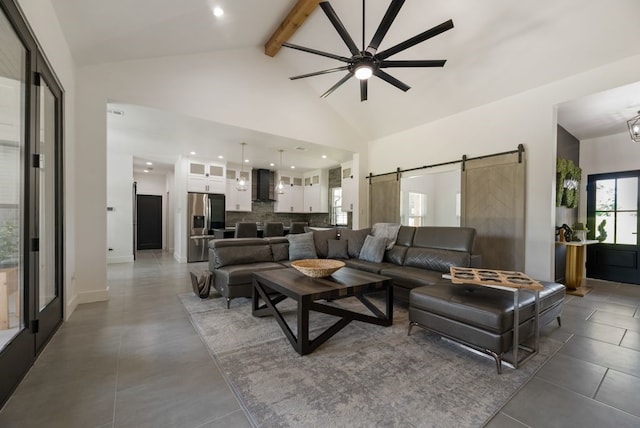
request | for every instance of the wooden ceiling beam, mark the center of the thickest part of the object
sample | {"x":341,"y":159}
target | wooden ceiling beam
{"x":290,"y":25}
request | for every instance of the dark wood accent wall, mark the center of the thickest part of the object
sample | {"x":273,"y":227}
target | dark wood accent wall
{"x":568,"y":147}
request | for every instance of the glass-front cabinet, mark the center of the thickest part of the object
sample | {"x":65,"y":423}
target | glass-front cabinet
{"x":348,"y":186}
{"x":291,"y":198}
{"x":316,"y":191}
{"x":206,"y":177}
{"x":237,"y":199}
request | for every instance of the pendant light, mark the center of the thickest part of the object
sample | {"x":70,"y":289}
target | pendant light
{"x":242,"y":183}
{"x":280,"y":185}
{"x":634,"y":128}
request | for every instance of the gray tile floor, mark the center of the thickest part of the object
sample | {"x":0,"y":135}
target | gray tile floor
{"x":594,"y":380}
{"x":136,"y":361}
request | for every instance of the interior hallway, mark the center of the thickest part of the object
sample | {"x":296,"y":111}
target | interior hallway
{"x":136,"y":361}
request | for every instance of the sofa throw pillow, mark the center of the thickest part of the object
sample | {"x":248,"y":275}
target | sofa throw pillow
{"x":337,"y":249}
{"x":373,"y":249}
{"x":389,"y":231}
{"x":301,"y":246}
{"x":320,"y":238}
{"x":355,"y":240}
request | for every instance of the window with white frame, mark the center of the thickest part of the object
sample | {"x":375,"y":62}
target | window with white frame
{"x":417,"y":211}
{"x":338,"y":217}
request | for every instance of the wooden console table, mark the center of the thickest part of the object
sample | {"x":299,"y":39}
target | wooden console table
{"x":576,"y":259}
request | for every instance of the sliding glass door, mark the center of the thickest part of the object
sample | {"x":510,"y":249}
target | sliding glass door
{"x":30,"y":200}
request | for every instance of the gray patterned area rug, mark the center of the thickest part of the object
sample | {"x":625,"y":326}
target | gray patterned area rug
{"x":364,"y":376}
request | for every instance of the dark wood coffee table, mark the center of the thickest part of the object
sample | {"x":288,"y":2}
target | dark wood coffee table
{"x":273,"y":286}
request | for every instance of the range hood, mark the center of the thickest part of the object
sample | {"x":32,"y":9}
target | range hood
{"x":262,"y":185}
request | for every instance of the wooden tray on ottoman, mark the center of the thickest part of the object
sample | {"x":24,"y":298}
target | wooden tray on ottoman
{"x":503,"y":278}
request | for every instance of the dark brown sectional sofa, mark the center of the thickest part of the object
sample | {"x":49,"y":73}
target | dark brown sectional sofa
{"x":479,"y":317}
{"x":419,"y":257}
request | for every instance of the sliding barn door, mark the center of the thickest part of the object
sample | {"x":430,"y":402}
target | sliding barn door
{"x":384,"y":199}
{"x":493,"y":202}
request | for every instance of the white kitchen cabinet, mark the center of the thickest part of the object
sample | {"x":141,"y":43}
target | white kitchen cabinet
{"x":316,"y":191}
{"x":236,"y":200}
{"x":206,"y":177}
{"x":292,"y":200}
{"x":348,"y":187}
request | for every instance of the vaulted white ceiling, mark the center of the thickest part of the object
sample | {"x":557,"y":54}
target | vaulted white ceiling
{"x":497,"y":48}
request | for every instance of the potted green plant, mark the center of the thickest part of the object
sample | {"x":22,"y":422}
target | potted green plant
{"x":568,"y":177}
{"x":580,"y":231}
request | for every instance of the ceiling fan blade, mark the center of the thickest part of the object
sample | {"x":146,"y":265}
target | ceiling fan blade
{"x":413,"y":63}
{"x":384,"y":26}
{"x":438,"y":29}
{"x":363,"y":90}
{"x":334,"y":87}
{"x":316,"y":52}
{"x":392,"y":80}
{"x":333,"y":17}
{"x":318,"y":73}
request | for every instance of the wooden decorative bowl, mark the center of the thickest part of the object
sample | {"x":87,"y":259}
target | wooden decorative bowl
{"x":317,"y":268}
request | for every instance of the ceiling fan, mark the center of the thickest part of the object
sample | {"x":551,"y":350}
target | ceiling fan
{"x":369,"y":62}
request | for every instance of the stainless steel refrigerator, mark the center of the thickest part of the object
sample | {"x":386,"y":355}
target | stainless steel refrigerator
{"x":206,"y":212}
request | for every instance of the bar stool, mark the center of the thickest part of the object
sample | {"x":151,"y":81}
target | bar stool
{"x":273,"y":229}
{"x":246,"y":230}
{"x":297,"y":227}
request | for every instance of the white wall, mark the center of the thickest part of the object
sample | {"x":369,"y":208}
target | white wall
{"x":44,"y":23}
{"x":154,"y":184}
{"x":448,"y":189}
{"x":171,"y":209}
{"x":528,"y":118}
{"x":120,"y":208}
{"x":235,"y":87}
{"x":613,"y":153}
{"x":241,"y":87}
{"x":91,"y":174}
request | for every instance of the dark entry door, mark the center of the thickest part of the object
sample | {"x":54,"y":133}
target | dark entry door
{"x":149,"y":208}
{"x":612,"y":218}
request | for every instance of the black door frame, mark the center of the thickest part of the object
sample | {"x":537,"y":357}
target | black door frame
{"x":19,"y":354}
{"x":599,"y":257}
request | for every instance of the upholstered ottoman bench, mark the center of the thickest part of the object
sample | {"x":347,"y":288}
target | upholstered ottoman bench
{"x":482,"y":317}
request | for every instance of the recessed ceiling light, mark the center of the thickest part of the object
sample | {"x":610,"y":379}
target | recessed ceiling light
{"x":324,"y":156}
{"x":193,"y":153}
{"x":246,"y":161}
{"x":149,"y":163}
{"x":220,"y":157}
{"x":217,"y":11}
{"x":272,"y":164}
{"x":146,"y":170}
{"x":293,"y":167}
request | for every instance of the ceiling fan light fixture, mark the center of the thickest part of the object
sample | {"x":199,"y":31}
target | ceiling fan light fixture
{"x":634,"y":128}
{"x":363,"y":72}
{"x":368,"y":61}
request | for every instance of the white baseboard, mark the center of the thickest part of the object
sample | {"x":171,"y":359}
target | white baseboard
{"x":121,"y":259}
{"x":93,"y":296}
{"x":179,"y":258}
{"x":72,"y":304}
